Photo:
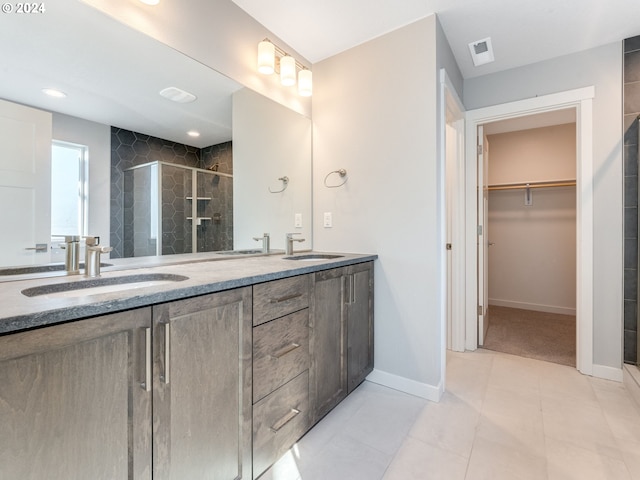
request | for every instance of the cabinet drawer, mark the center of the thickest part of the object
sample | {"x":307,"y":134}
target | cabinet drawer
{"x":279,"y":297}
{"x":279,"y":420}
{"x":280,"y":352}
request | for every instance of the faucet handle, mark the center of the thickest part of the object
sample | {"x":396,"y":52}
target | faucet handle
{"x":92,"y":240}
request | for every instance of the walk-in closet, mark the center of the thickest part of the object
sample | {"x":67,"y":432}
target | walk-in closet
{"x":532,"y":238}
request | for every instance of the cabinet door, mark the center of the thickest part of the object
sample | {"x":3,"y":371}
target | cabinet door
{"x":359,"y":323}
{"x":202,"y":387}
{"x":327,"y":342}
{"x":74,"y":400}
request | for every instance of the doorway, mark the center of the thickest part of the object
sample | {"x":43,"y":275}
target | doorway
{"x":530,"y":271}
{"x":581,"y":101}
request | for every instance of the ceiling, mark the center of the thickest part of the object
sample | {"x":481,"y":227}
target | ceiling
{"x":522,"y":32}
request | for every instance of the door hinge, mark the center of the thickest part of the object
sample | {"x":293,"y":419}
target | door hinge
{"x":479,"y":309}
{"x":448,"y":246}
{"x":479,"y":230}
{"x":479,"y":149}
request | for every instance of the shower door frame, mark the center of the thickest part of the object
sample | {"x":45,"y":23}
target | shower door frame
{"x":194,"y":195}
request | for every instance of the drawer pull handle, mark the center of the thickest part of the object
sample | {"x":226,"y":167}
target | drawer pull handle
{"x":283,"y":351}
{"x":285,"y":299}
{"x":293,"y":413}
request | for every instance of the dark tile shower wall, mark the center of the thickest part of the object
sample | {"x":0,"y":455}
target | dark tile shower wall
{"x":631,"y":111}
{"x":129,"y":149}
{"x":220,"y":207}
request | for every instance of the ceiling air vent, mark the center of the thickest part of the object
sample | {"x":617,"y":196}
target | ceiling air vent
{"x":481,"y":51}
{"x":177,"y":95}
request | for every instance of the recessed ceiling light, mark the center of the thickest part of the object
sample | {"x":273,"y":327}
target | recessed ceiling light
{"x":52,"y":92}
{"x":151,"y":2}
{"x":193,"y":133}
{"x":178,"y":95}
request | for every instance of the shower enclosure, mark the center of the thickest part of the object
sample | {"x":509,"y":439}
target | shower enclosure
{"x":170,"y":208}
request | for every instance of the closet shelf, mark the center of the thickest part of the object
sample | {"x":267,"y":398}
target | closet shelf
{"x":545,"y":184}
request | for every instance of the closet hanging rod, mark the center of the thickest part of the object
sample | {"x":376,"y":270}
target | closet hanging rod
{"x":547,"y":184}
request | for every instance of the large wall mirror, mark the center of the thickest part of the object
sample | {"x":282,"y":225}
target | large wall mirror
{"x":151,"y":188}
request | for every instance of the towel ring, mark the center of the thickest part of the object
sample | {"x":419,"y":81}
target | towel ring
{"x":285,"y":183}
{"x":343,"y":174}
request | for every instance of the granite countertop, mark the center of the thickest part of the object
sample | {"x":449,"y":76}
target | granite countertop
{"x":205,"y":275}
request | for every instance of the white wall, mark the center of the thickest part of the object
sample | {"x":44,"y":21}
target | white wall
{"x":375,"y":113}
{"x":532,"y":262}
{"x":601,"y":67}
{"x":269,"y":142}
{"x":216,"y":33}
{"x":97,"y":138}
{"x":538,"y":154}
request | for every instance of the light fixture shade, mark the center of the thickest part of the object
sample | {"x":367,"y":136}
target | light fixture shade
{"x":266,"y":57}
{"x":287,"y":71}
{"x":305,"y":83}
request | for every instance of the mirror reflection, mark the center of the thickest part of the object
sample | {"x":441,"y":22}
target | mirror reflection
{"x":149,"y":185}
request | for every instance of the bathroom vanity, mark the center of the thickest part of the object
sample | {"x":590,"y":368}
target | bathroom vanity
{"x":211,"y":377}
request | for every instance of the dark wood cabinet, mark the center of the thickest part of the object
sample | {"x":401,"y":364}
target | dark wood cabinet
{"x":88,"y":399}
{"x":202,"y":387}
{"x":359,"y":324}
{"x":75,"y":400}
{"x":216,"y":386}
{"x":280,"y":368}
{"x":341,"y":334}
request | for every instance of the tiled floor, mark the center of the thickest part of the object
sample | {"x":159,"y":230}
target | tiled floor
{"x":502,"y":417}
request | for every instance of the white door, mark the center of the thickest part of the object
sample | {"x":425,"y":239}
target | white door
{"x":483,"y":235}
{"x":25,"y":185}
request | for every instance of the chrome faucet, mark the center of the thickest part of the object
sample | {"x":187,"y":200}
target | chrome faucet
{"x":265,"y":242}
{"x":289,"y":242}
{"x":71,"y":254}
{"x":92,"y":256}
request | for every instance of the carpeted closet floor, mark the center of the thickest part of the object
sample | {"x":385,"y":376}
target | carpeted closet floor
{"x":543,"y":336}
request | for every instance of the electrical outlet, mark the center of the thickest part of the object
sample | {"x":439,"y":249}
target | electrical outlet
{"x":298,"y":220}
{"x":328,"y":221}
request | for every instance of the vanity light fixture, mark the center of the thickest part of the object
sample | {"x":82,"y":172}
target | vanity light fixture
{"x":272,"y":59}
{"x":266,"y":57}
{"x":305,"y":83}
{"x":53,"y":92}
{"x":287,"y":71}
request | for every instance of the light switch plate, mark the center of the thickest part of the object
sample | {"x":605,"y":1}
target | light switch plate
{"x":298,"y":220}
{"x":328,"y":220}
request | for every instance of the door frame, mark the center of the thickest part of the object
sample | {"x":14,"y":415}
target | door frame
{"x":582,"y":100}
{"x":452,"y":322}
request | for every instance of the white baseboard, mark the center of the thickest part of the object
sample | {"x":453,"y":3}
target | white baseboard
{"x":532,"y":306}
{"x":608,"y":373}
{"x":423,"y":390}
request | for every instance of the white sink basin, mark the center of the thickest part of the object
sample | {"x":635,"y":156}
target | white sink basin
{"x":98,"y":286}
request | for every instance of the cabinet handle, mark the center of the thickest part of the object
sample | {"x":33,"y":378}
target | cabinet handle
{"x":283,"y":351}
{"x":353,"y":288}
{"x":285,"y":299}
{"x":167,"y":353}
{"x":293,"y":413}
{"x":349,"y":285}
{"x":146,"y":383}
